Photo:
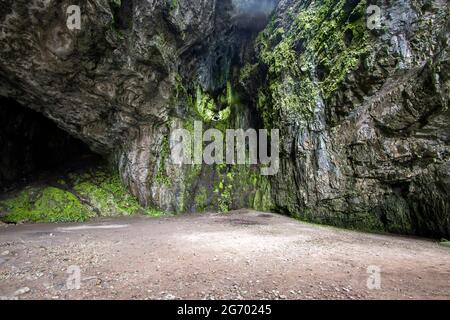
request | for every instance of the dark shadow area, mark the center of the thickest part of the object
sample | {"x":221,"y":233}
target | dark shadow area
{"x":32,"y":146}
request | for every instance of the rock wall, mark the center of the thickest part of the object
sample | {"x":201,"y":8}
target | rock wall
{"x":363,"y":113}
{"x":134,"y":71}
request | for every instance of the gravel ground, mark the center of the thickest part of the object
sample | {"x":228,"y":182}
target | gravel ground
{"x":241,"y":255}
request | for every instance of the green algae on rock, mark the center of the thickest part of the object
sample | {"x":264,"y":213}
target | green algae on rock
{"x":45,"y":205}
{"x":88,"y":194}
{"x":363,"y":113}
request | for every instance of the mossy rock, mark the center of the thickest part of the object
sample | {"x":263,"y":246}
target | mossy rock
{"x":445,"y":243}
{"x":104,"y":192}
{"x":49,"y":204}
{"x":99,"y":199}
{"x":315,"y":41}
{"x":89,"y":194}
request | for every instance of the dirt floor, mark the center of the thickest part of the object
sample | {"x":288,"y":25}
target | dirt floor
{"x":242,"y":255}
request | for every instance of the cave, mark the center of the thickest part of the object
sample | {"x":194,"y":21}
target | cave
{"x":32,"y":147}
{"x":346,"y":100}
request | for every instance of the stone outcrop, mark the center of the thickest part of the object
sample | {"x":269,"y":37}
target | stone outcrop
{"x":363,"y":113}
{"x":133,"y":72}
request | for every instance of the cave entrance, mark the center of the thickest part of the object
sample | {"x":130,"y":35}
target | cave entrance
{"x":33,"y":148}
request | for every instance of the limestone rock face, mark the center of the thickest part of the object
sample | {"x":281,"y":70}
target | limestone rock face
{"x":363,"y":111}
{"x":126,"y":78}
{"x":100,"y":83}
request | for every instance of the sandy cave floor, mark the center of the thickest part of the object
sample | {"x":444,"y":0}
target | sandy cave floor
{"x":241,"y":255}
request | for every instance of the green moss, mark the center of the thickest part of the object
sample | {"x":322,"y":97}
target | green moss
{"x":232,"y":97}
{"x":445,"y":243}
{"x":164,"y":48}
{"x":191,"y":175}
{"x":173,"y":5}
{"x":181,"y":93}
{"x":205,"y":106}
{"x":322,"y":36}
{"x":223,"y":187}
{"x":97,"y":192}
{"x":126,"y":203}
{"x":106,"y":193}
{"x":46,"y":205}
{"x":263,"y":197}
{"x":19,"y":206}
{"x":154,"y":212}
{"x":366,"y":221}
{"x":201,"y":200}
{"x":161,"y":176}
{"x":247,"y":72}
{"x":207,"y":109}
{"x":100,"y":199}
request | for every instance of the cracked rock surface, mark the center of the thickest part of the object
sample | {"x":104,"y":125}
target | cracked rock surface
{"x":363,"y":113}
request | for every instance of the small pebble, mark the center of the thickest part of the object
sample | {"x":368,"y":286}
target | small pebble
{"x":22,"y":291}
